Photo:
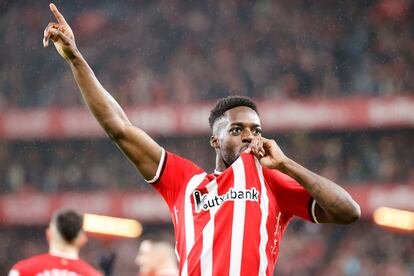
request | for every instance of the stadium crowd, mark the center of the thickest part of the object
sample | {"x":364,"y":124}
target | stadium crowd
{"x":370,"y":157}
{"x":307,"y":249}
{"x":151,"y":52}
{"x":155,"y":52}
{"x":353,"y":250}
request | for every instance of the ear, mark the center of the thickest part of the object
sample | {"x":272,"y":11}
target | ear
{"x":82,"y":239}
{"x":48,"y":234}
{"x":214,"y":142}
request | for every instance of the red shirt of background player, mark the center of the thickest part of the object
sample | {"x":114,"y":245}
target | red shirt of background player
{"x":53,"y":264}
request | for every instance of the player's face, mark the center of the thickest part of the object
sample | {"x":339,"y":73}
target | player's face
{"x":238,"y":127}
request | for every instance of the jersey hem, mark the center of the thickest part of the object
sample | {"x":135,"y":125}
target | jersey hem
{"x":160,"y":169}
{"x":311,"y":210}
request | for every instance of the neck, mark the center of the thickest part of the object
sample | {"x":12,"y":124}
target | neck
{"x":220,"y":163}
{"x":61,"y":250}
{"x":167,"y":268}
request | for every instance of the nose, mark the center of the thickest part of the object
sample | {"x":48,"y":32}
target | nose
{"x":247,"y":136}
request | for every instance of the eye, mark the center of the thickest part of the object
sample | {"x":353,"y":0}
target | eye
{"x":257,"y":131}
{"x":235,"y":130}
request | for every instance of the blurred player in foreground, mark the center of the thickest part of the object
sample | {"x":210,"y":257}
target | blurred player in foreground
{"x":156,"y":257}
{"x":230,"y":222}
{"x":65,"y":237}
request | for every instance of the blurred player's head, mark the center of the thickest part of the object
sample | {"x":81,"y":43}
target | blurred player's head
{"x":234,"y":122}
{"x":156,"y":256}
{"x":65,"y":230}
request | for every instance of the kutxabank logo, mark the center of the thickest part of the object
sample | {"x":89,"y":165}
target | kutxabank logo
{"x":207,"y":201}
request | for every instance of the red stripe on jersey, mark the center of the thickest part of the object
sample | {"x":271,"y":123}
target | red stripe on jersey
{"x":193,"y":259}
{"x":222,"y":228}
{"x":177,"y":214}
{"x":273,"y":222}
{"x":189,"y":220}
{"x":251,"y":242}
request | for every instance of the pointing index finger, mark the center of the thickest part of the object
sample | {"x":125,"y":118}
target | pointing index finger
{"x":59,"y":17}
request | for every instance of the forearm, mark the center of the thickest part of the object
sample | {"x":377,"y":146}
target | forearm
{"x":140,"y":148}
{"x":103,"y":106}
{"x":337,"y":204}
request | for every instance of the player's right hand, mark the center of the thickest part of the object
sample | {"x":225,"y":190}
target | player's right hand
{"x":61,"y":34}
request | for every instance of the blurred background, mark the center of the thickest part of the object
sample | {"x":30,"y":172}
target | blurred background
{"x":333,"y":81}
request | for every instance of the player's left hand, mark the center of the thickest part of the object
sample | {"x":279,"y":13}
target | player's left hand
{"x":268,"y":152}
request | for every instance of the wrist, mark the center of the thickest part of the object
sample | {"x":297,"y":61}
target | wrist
{"x":74,"y":56}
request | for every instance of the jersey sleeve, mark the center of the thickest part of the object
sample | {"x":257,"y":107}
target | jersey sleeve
{"x":172,"y":175}
{"x":291,"y":197}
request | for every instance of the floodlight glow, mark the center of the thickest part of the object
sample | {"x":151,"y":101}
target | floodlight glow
{"x":394,"y":218}
{"x":112,"y":226}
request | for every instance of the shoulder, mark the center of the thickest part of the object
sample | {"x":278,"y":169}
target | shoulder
{"x":179,"y":160}
{"x":27,"y":264}
{"x":171,"y":166}
{"x":274,"y":175}
{"x":179,"y":165}
{"x":278,"y":180}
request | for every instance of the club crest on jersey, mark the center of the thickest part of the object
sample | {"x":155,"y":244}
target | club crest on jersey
{"x":205,"y":202}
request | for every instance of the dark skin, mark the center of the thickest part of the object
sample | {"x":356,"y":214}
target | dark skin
{"x":237,"y":131}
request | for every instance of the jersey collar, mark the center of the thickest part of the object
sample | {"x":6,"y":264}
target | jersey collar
{"x":217,"y":173}
{"x":65,"y":255}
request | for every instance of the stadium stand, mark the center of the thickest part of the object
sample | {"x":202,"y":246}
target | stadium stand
{"x":334,"y":85}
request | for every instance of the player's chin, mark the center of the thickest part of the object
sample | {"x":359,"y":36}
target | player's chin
{"x":242,"y":149}
{"x":230,"y":159}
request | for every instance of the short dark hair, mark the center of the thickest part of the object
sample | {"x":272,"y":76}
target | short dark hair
{"x":227,"y":103}
{"x":69,"y":223}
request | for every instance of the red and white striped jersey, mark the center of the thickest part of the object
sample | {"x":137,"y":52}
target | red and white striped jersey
{"x":231,"y":223}
{"x":53,"y":264}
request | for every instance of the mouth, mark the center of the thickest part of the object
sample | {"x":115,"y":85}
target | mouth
{"x":242,"y":149}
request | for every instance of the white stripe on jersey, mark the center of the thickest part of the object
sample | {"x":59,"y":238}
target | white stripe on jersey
{"x":160,"y":165}
{"x":206,"y":260}
{"x":264,"y":203}
{"x":188,"y":216}
{"x":239,"y":213}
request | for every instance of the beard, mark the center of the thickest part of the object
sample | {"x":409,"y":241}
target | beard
{"x":230,"y":157}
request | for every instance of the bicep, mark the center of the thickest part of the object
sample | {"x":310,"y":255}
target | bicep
{"x":141,"y":149}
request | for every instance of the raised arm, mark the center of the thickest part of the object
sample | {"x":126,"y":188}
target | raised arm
{"x":333,"y":203}
{"x":140,"y":148}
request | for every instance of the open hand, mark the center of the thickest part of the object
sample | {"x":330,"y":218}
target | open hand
{"x":61,"y":34}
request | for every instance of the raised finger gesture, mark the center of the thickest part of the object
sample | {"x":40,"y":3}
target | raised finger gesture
{"x":61,"y":34}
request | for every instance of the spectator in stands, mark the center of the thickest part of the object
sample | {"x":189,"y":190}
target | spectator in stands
{"x":370,"y":157}
{"x":355,"y":47}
